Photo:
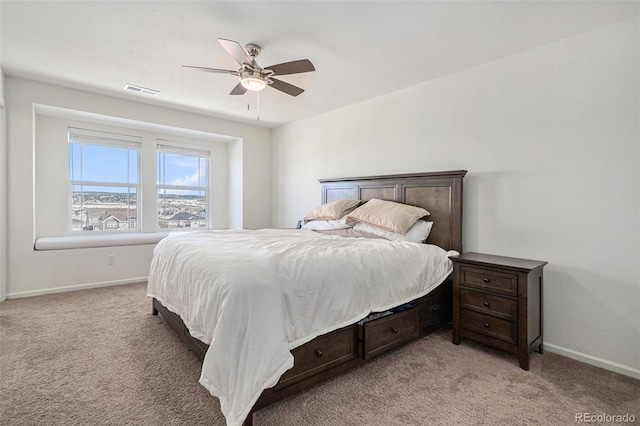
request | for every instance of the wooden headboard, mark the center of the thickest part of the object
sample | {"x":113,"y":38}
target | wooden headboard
{"x":440,"y":193}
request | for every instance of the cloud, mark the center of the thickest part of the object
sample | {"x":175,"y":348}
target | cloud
{"x":187,"y":180}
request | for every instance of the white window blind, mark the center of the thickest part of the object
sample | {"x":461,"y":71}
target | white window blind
{"x":175,"y":149}
{"x":87,"y":136}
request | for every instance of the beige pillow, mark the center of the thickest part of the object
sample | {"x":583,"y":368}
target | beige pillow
{"x":331,"y":211}
{"x":394,"y":217}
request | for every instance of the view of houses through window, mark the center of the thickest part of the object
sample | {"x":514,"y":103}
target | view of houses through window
{"x":104,"y":170}
{"x":102,"y":209}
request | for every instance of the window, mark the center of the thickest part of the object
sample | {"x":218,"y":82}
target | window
{"x":104,"y":176}
{"x":183,"y":187}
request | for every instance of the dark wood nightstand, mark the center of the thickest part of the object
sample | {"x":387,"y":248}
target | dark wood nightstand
{"x":497,"y":301}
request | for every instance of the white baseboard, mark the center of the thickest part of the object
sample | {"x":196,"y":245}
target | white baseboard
{"x":593,"y":360}
{"x":31,"y":293}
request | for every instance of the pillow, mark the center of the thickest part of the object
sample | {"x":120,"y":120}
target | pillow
{"x":394,"y":217}
{"x":331,"y":211}
{"x":327,"y":225}
{"x":418,"y":233}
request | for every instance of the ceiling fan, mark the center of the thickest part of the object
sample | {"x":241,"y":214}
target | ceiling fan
{"x":254,"y":77}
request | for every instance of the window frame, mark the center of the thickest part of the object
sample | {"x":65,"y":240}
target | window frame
{"x":83,"y":137}
{"x":188,"y":149}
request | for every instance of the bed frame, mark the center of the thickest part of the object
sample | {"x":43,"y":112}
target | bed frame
{"x":336,"y":352}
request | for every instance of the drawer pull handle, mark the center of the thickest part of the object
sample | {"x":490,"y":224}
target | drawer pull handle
{"x":486,"y":325}
{"x":318,"y":353}
{"x":486,"y":304}
{"x":435,"y":308}
{"x":486,"y":280}
{"x":394,"y":330}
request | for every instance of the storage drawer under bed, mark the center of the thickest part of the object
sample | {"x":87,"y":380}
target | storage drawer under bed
{"x":322,"y":353}
{"x":381,"y":335}
{"x":435,"y":308}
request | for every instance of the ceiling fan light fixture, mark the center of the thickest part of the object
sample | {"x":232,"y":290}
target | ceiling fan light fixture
{"x":253,"y":83}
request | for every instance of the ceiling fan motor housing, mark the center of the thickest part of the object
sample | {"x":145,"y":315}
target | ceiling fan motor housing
{"x":253,"y":50}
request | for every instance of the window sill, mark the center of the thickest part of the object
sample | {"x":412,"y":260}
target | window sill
{"x":95,"y":241}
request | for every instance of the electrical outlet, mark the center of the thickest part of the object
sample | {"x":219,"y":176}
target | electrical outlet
{"x":111,"y":259}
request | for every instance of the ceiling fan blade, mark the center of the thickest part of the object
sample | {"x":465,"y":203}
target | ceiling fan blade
{"x":293,"y":67}
{"x":234,"y":49}
{"x":287,"y":88}
{"x":238,"y":90}
{"x":214,"y":70}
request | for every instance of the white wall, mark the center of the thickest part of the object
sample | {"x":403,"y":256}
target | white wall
{"x":34,"y":272}
{"x":3,"y":192}
{"x":550,"y":138}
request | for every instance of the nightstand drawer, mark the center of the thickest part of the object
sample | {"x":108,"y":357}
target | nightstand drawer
{"x":489,"y":304}
{"x":384,"y":334}
{"x":490,"y":326}
{"x":490,"y":280}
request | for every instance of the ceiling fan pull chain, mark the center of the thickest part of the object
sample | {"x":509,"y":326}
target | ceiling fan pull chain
{"x":258,"y":105}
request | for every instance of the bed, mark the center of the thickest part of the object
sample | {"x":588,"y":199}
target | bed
{"x":272,"y":312}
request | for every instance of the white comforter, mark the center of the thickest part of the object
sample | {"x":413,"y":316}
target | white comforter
{"x":255,"y":295}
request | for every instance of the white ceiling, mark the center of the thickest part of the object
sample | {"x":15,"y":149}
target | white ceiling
{"x":361,"y":49}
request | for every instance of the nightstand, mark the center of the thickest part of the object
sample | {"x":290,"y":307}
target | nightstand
{"x":497,"y":301}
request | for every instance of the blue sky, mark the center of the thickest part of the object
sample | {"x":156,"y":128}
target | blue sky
{"x":111,"y":164}
{"x":178,"y":169}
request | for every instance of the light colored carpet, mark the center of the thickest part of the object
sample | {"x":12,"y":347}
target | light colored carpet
{"x":99,"y":357}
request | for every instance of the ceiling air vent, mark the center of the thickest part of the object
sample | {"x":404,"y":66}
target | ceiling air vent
{"x":142,"y":90}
